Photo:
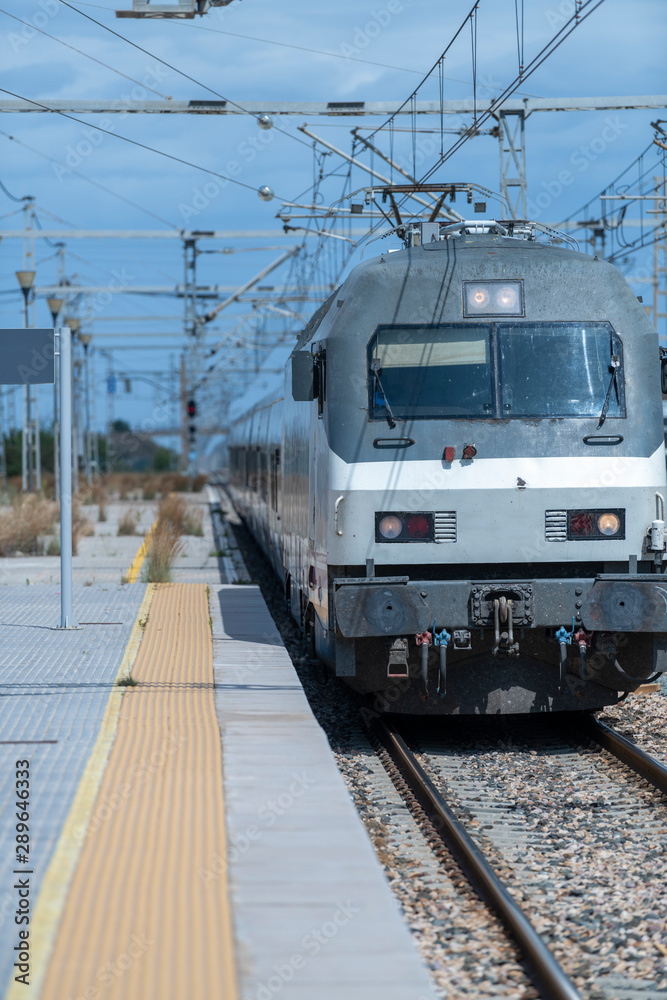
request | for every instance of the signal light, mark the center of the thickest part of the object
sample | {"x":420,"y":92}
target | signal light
{"x":191,"y":408}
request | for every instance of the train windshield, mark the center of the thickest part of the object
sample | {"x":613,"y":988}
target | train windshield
{"x":495,"y":370}
{"x":432,"y":371}
{"x":558,"y":369}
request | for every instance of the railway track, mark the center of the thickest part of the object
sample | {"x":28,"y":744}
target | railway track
{"x":508,"y":850}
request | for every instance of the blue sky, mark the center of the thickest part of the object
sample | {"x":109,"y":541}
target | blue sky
{"x":235,"y":51}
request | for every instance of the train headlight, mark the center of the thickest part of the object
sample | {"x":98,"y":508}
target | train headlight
{"x":493,"y":298}
{"x":609,"y":524}
{"x":594,"y":525}
{"x":404,"y":526}
{"x":390,"y":526}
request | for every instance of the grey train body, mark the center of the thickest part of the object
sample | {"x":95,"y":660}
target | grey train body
{"x":438,"y":472}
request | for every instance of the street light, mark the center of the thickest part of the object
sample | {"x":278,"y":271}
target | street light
{"x":55,"y":305}
{"x":26,"y":280}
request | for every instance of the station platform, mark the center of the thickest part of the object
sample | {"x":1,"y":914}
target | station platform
{"x":190,"y":834}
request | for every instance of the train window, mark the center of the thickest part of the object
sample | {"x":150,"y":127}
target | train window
{"x":500,"y":370}
{"x":432,"y":371}
{"x":558,"y":370}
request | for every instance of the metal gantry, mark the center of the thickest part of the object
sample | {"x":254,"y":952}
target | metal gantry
{"x":510,"y":115}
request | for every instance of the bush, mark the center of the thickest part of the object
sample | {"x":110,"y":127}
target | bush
{"x":172,"y":510}
{"x":165,"y":546}
{"x":22,"y":523}
{"x":128,"y":523}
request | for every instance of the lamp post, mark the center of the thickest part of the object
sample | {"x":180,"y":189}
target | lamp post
{"x":26,"y":280}
{"x":55,"y":305}
{"x":73,"y":322}
{"x":85,"y":339}
{"x":3,"y":457}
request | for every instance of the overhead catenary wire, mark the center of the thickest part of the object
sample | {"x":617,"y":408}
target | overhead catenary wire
{"x":570,"y":25}
{"x":299,"y":48}
{"x":662,"y":159}
{"x":496,"y":104}
{"x":86,"y":54}
{"x":519,"y":20}
{"x":134,"y":142}
{"x":427,"y":75}
{"x":89,"y":180}
{"x":175,"y":69}
{"x":10,"y":195}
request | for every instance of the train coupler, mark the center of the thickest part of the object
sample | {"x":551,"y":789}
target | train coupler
{"x":398,"y":659}
{"x":424,"y":640}
{"x":503,"y":613}
{"x":441,"y":639}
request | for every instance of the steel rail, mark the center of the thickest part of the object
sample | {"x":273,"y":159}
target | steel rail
{"x":552,"y":980}
{"x":629,"y":753}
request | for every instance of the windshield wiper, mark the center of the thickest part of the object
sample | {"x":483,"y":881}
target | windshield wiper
{"x":376,"y":368}
{"x":614,"y":364}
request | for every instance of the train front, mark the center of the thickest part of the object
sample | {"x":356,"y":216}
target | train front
{"x":493,"y":519}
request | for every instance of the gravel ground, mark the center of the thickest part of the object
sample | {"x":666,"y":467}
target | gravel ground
{"x":580,"y":842}
{"x":643,"y":719}
{"x":599,"y":893}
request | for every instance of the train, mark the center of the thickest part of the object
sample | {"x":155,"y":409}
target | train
{"x":461,"y":480}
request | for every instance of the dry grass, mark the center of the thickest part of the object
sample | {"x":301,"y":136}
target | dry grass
{"x":173,"y":510}
{"x":23,"y":522}
{"x":128,"y":522}
{"x":148,"y":485}
{"x":185,"y":519}
{"x":165,"y":546}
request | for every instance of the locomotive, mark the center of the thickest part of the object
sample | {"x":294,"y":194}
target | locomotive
{"x":462,"y":480}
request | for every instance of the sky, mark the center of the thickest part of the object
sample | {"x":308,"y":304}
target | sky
{"x":253,"y":50}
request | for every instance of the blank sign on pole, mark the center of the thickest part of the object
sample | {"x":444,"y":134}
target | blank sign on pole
{"x":27,"y":357}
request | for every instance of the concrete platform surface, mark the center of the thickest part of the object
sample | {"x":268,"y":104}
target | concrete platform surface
{"x":313,"y":914}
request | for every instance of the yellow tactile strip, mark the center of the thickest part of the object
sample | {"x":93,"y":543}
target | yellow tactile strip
{"x":139,"y":922}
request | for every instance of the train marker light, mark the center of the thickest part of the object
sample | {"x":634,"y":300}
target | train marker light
{"x":417,"y":526}
{"x":581,"y":525}
{"x":493,"y":298}
{"x":390,"y":526}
